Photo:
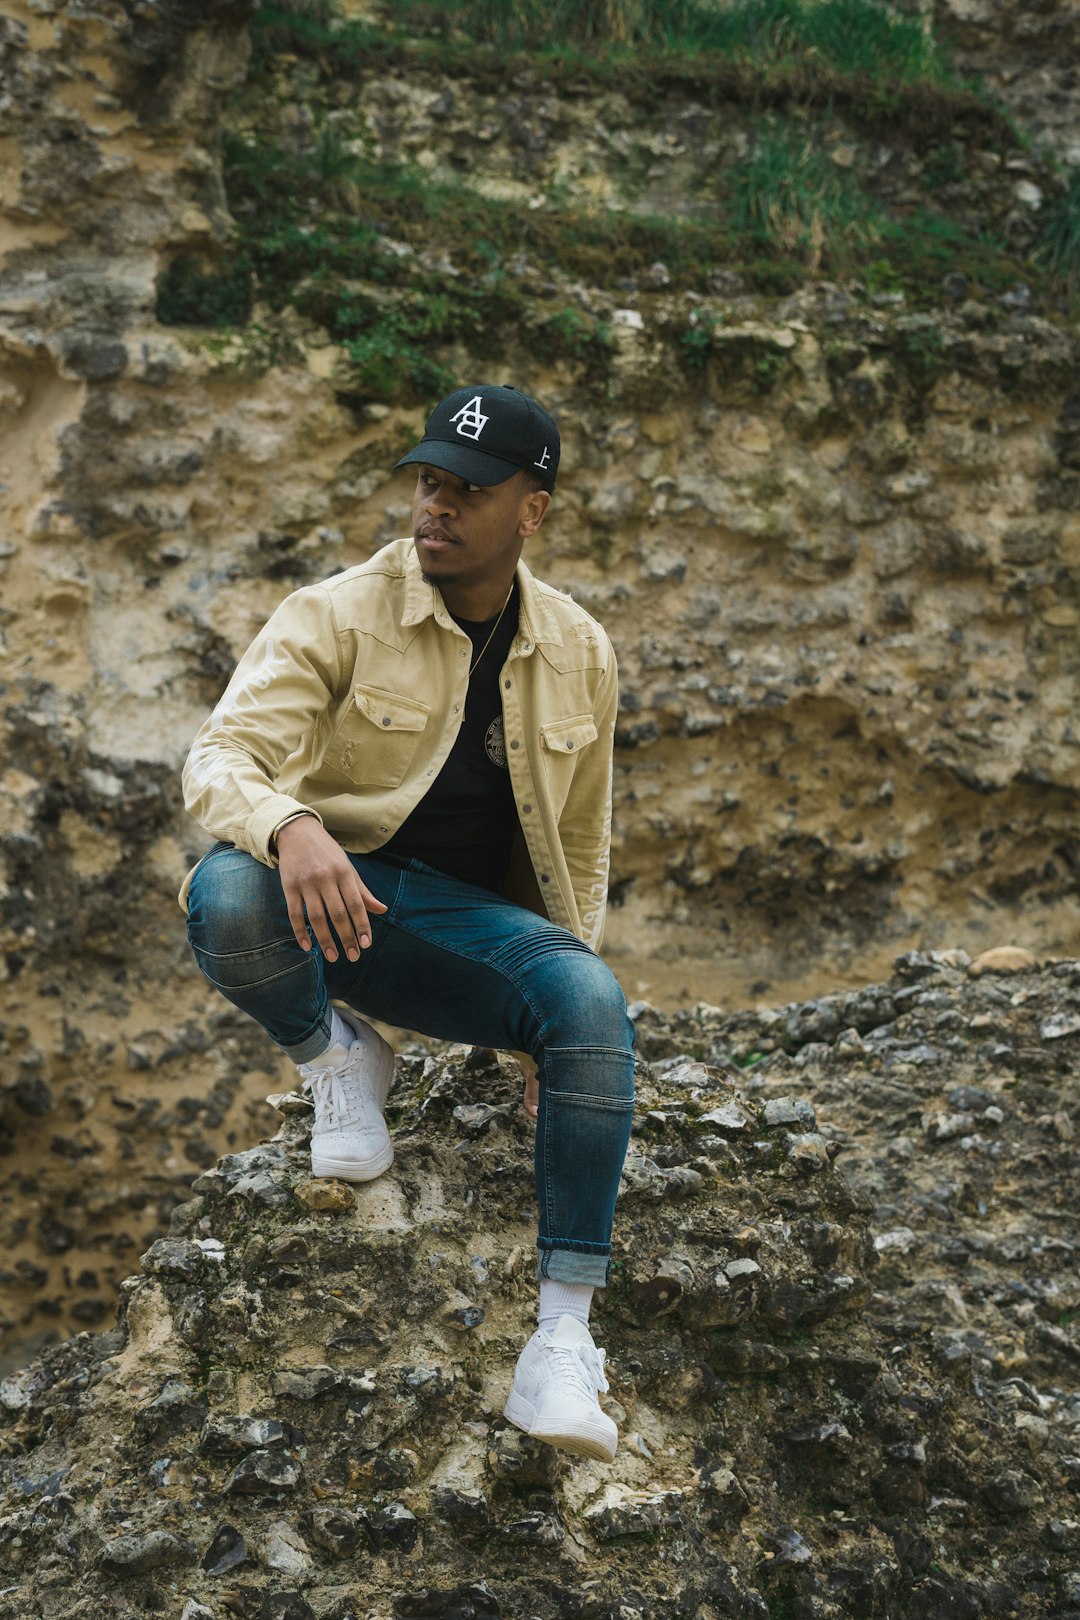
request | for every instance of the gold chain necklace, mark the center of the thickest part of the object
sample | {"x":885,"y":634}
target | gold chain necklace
{"x":494,"y":627}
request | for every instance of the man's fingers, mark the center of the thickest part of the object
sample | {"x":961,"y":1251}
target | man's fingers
{"x":353,"y":926}
{"x":323,"y":883}
{"x":350,"y":921}
{"x":295,"y":903}
{"x":320,"y":926}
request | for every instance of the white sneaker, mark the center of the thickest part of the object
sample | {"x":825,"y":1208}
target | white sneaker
{"x":349,"y":1087}
{"x":555,"y":1395}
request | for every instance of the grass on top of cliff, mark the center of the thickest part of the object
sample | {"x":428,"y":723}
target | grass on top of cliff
{"x":852,"y":36}
{"x":860,"y":37}
{"x":346,"y":238}
{"x":883,"y":68}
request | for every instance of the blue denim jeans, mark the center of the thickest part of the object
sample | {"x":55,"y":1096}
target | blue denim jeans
{"x":462,"y":964}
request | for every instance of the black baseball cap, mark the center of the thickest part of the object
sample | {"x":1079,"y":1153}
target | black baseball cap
{"x":485,"y":434}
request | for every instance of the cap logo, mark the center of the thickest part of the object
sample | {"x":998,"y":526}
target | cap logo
{"x":544,"y":459}
{"x":471,"y":420}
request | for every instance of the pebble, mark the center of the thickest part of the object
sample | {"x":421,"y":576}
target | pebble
{"x":286,"y":1606}
{"x":789,"y":1111}
{"x":227,"y":1550}
{"x":741,"y":1268}
{"x":305,"y":1384}
{"x":151,"y":1550}
{"x":285,"y":1549}
{"x":1003,"y":959}
{"x":785,"y":1547}
{"x":1062,"y":1024}
{"x":175,"y":1257}
{"x":177,"y":1407}
{"x":943,"y":1127}
{"x":1012,"y":1492}
{"x":225,"y":1436}
{"x":320,"y":1193}
{"x":290,"y":1103}
{"x":335,"y":1530}
{"x":462,"y":1505}
{"x":900,"y":1240}
{"x":394,"y":1526}
{"x":264,"y":1473}
{"x":624,"y":1512}
{"x":810,"y":1153}
{"x":536,"y":1530}
{"x":728,"y":1117}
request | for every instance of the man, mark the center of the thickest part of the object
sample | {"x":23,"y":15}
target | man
{"x":409,"y":776}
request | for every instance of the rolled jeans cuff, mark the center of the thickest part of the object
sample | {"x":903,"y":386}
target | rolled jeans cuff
{"x":577,"y":1263}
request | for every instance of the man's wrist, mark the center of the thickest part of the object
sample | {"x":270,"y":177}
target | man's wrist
{"x":297,"y":815}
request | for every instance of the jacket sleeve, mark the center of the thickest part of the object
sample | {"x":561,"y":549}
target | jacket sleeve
{"x":585,"y":824}
{"x":277,"y":702}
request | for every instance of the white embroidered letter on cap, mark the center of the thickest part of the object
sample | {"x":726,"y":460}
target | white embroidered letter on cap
{"x":469,"y":417}
{"x":544,"y":459}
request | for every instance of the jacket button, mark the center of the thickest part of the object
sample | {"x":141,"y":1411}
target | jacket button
{"x":386,"y":719}
{"x":515,"y":743}
{"x":569,"y":745}
{"x":525,"y":809}
{"x":507,"y":685}
{"x":545,"y":877}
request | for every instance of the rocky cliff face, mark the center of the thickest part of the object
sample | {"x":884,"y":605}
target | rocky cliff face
{"x":838,"y":557}
{"x":841,"y":1392}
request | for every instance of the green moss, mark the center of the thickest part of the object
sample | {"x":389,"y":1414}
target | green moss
{"x":1059,"y":244}
{"x":787,"y":195}
{"x":346,"y":240}
{"x":189,"y":294}
{"x":854,"y":36}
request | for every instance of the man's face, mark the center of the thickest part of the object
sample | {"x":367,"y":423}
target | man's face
{"x":468,"y":536}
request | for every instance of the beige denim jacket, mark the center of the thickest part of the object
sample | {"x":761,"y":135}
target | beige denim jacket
{"x":348,"y":704}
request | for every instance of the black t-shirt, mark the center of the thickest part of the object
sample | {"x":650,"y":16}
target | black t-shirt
{"x":465,"y":823}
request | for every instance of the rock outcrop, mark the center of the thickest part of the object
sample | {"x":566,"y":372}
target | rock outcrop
{"x":841,"y":1333}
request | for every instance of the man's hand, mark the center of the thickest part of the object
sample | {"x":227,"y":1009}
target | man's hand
{"x":317,"y":873}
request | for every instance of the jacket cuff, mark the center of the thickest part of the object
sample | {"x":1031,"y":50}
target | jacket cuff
{"x":266,"y":820}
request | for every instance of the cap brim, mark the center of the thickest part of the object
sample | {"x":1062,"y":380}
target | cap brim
{"x":472,"y":465}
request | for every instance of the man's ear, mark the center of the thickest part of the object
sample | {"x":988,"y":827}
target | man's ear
{"x":533,"y":509}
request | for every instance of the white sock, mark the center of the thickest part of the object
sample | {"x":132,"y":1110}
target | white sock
{"x":340,"y":1032}
{"x":340,"y":1035}
{"x":562,"y":1299}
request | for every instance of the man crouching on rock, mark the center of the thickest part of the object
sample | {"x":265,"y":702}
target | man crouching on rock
{"x":410,"y":778}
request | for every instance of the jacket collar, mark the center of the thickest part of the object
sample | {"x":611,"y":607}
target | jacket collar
{"x":423,"y":601}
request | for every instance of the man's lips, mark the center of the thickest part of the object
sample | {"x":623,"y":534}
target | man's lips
{"x":435,"y":537}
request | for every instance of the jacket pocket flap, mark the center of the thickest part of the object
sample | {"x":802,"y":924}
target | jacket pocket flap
{"x":389,"y":711}
{"x":562,"y":736}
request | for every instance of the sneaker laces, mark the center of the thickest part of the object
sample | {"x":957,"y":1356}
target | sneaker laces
{"x":341,"y":1098}
{"x":581,"y":1365}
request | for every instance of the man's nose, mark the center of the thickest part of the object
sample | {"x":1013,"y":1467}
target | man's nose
{"x":438,"y":499}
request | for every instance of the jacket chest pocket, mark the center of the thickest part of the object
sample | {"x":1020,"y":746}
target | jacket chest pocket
{"x":562,"y":744}
{"x":376,"y":737}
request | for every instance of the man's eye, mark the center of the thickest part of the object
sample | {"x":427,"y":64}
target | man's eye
{"x":474,"y":489}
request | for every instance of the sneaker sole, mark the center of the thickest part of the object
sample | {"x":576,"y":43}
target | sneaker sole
{"x":354,"y":1169}
{"x":582,"y":1439}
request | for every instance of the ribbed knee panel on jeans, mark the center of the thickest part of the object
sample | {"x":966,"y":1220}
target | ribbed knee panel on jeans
{"x":584,"y":1050}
